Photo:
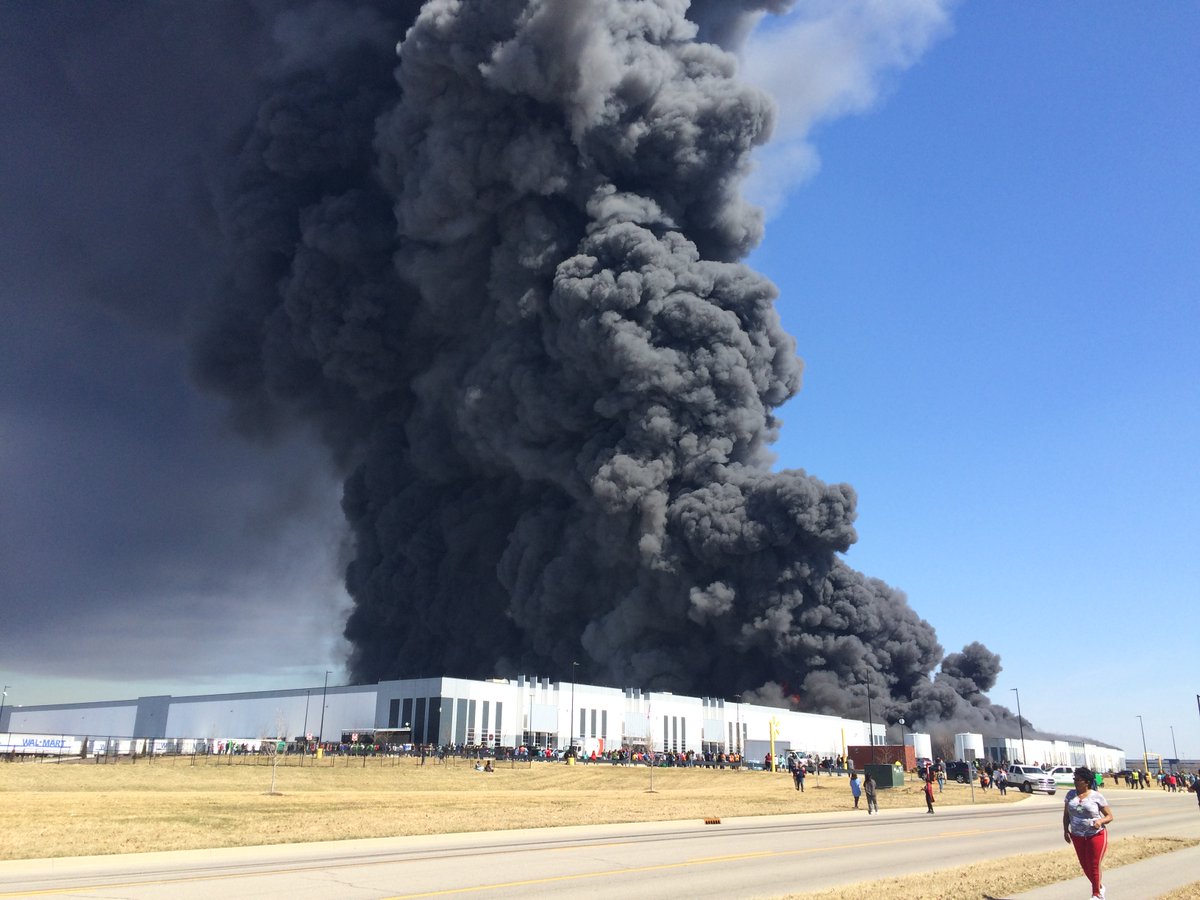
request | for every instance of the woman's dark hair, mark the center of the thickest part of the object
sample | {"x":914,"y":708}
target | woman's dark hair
{"x":1083,"y":773}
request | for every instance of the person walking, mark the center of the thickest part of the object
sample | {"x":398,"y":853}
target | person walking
{"x":855,"y":788}
{"x":928,"y":790}
{"x":869,"y":790}
{"x":1085,"y":814}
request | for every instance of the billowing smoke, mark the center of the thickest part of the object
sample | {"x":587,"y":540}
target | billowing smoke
{"x":728,"y":22}
{"x":499,"y":272}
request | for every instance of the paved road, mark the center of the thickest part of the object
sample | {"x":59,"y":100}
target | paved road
{"x":750,"y":857}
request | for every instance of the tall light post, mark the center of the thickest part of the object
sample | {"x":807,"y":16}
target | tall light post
{"x":904,"y":744}
{"x":1145,"y":755}
{"x":870,"y":723}
{"x":737,"y":701}
{"x":870,"y":718}
{"x":324,"y":694}
{"x":574,"y":666}
{"x":530,"y":745}
{"x":1021,"y":725}
{"x":1174,"y":748}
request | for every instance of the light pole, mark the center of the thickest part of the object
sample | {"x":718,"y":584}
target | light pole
{"x":870,"y":723}
{"x":574,"y":666}
{"x":324,"y":694}
{"x":1174,"y":748}
{"x":1145,"y":755}
{"x":3,"y":697}
{"x":737,"y":701}
{"x":904,"y":744}
{"x":530,"y":744}
{"x":1021,"y":725}
{"x":870,"y":719}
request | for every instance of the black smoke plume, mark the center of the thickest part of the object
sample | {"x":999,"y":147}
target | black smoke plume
{"x":497,"y":266}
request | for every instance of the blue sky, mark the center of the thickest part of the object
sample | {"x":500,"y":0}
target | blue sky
{"x":984,"y":231}
{"x":994,"y":281}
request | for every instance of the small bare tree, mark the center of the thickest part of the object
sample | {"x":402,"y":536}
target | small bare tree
{"x":275,"y":746}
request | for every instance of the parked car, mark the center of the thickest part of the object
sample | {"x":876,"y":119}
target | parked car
{"x":960,"y":771}
{"x":1063,"y":775}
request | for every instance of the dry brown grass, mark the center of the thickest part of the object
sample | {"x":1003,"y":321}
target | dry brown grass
{"x":81,"y":808}
{"x":1005,"y":877}
{"x":1187,"y":892}
{"x":52,"y":809}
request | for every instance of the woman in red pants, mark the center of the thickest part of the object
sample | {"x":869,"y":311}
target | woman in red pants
{"x":1085,"y":815}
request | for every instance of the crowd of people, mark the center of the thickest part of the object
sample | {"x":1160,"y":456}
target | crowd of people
{"x":1167,"y":781}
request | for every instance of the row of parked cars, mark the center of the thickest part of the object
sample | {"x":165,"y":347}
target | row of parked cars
{"x":1022,"y":778}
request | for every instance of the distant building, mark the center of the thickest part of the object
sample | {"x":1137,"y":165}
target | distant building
{"x":444,"y":711}
{"x":1052,"y":751}
{"x":497,"y":712}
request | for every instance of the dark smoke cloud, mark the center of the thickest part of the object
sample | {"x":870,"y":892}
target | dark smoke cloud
{"x":138,"y":537}
{"x":728,"y":22}
{"x":500,"y":275}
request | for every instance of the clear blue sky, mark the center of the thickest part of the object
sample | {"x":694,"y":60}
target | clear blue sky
{"x":986,"y":243}
{"x":994,"y":281}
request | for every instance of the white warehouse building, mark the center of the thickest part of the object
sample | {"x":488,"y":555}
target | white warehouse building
{"x":455,"y":711}
{"x":495,"y":712}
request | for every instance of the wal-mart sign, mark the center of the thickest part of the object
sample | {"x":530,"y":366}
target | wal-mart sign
{"x":40,"y":743}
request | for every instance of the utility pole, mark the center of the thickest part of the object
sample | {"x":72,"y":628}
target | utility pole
{"x":870,"y":723}
{"x":324,"y":694}
{"x":870,"y":719}
{"x":574,"y":666}
{"x":307,"y":700}
{"x":1145,"y":755}
{"x":1021,"y":725}
{"x":737,"y":699}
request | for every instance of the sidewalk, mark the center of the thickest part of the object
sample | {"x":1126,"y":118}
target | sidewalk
{"x":1143,"y":880}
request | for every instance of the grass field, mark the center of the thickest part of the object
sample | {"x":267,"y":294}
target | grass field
{"x":82,"y":808}
{"x":50,"y":809}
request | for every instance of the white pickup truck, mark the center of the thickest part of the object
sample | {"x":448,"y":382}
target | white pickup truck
{"x":1029,"y":779}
